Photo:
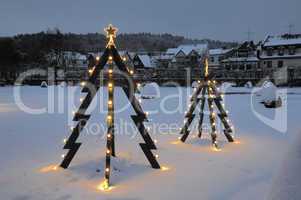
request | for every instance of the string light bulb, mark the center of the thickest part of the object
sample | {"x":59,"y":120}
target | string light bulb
{"x":97,"y":58}
{"x":83,"y":83}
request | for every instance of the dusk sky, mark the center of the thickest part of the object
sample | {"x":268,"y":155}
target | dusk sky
{"x":227,"y":20}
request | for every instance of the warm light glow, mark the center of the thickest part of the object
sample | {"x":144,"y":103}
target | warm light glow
{"x":109,"y":117}
{"x":109,"y":135}
{"x":81,"y":99}
{"x":97,"y":58}
{"x":104,"y":186}
{"x":237,"y":142}
{"x":108,"y":151}
{"x":49,"y":168}
{"x":176,"y":142}
{"x":206,"y":68}
{"x":110,"y":71}
{"x":90,"y":71}
{"x":131,"y":72}
{"x":65,"y":141}
{"x":83,"y":83}
{"x":157,"y":156}
{"x":138,"y":84}
{"x":111,"y":35}
{"x":110,"y":58}
{"x":146,"y":113}
{"x":110,"y":102}
{"x":110,"y":85}
{"x":124,"y":59}
{"x":165,"y":168}
{"x":63,"y":155}
{"x":214,"y":148}
{"x":107,"y":169}
{"x":156,"y":141}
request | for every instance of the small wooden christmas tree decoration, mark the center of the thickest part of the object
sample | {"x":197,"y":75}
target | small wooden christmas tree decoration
{"x":206,"y":91}
{"x":91,"y":87}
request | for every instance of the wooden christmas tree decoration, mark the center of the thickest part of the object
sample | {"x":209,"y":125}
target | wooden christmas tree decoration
{"x":91,"y":87}
{"x":207,"y":91}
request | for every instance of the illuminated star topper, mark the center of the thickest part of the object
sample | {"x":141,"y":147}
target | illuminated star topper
{"x":111,"y":34}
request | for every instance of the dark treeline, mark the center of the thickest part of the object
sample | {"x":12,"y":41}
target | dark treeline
{"x":31,"y":49}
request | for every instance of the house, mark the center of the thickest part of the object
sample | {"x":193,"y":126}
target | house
{"x":280,"y":56}
{"x":142,"y":61}
{"x":215,"y":58}
{"x":186,"y":56}
{"x":241,"y":62}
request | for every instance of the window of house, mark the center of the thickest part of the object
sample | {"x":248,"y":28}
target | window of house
{"x":292,"y":51}
{"x":269,"y":51}
{"x":280,"y":63}
{"x":249,"y":66}
{"x":269,"y":64}
{"x":281,"y":51}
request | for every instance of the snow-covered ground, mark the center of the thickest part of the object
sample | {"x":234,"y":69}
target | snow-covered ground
{"x":260,"y":166}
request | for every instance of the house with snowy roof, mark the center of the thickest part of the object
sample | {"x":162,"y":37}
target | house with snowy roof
{"x":142,"y":61}
{"x":241,"y":62}
{"x":282,"y":53}
{"x":215,"y":58}
{"x":187,"y":56}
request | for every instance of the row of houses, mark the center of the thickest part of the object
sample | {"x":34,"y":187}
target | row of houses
{"x":276,"y":57}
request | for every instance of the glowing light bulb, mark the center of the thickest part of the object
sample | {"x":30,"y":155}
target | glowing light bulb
{"x":63,"y":155}
{"x":124,"y":59}
{"x":131,"y":72}
{"x":109,"y":135}
{"x":110,"y":85}
{"x":157,"y":156}
{"x":110,"y":71}
{"x":83,"y":83}
{"x":107,"y":169}
{"x":110,"y":102}
{"x":110,"y":58}
{"x":65,"y":141}
{"x":81,"y":99}
{"x":156,"y":141}
{"x":97,"y":58}
{"x":109,"y":117}
{"x":108,"y":151}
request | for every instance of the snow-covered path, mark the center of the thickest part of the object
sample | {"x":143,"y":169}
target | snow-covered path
{"x":30,"y":144}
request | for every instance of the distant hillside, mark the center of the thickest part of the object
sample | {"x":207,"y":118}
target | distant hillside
{"x":32,"y":48}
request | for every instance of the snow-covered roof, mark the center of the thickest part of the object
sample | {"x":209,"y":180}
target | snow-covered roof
{"x":187,"y":48}
{"x":146,"y":60}
{"x":271,"y":41}
{"x":241,"y":59}
{"x":218,"y":51}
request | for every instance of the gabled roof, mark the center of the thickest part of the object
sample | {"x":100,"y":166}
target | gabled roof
{"x":218,"y":51}
{"x":187,"y":49}
{"x":146,"y":60}
{"x":283,"y":40}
